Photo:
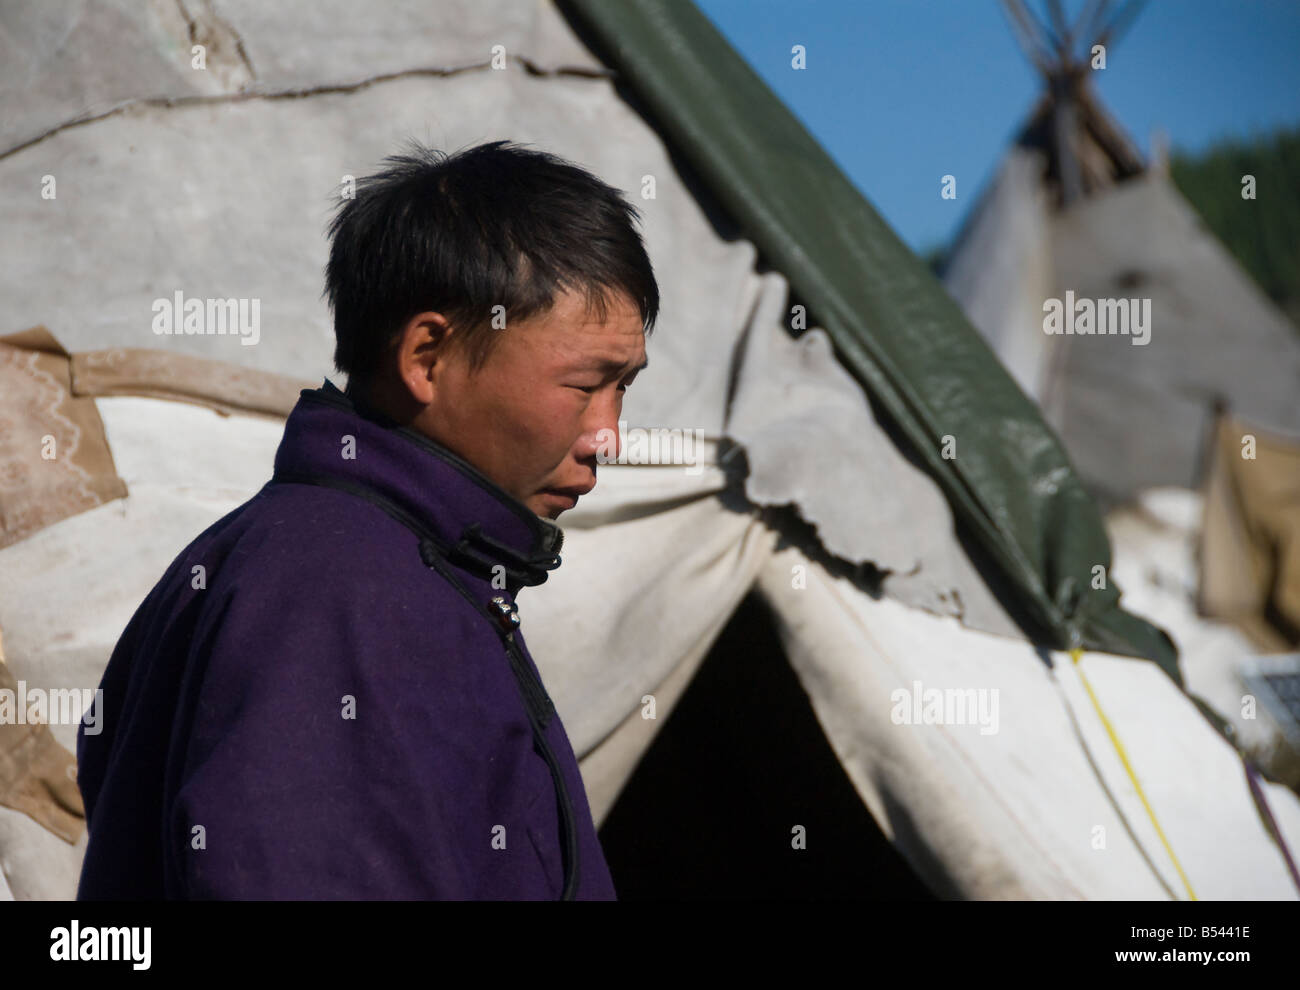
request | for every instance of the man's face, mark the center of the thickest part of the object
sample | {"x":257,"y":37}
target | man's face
{"x":531,"y":417}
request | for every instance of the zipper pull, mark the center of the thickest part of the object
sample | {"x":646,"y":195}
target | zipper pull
{"x":507,"y":614}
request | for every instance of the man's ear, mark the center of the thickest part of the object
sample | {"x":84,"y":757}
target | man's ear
{"x":423,"y":348}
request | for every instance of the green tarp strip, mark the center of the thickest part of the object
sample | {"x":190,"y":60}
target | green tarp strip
{"x":895,"y":327}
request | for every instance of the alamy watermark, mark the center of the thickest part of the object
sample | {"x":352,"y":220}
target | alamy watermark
{"x":946,"y":706}
{"x":1131,"y":317}
{"x":125,"y":944}
{"x":655,"y":445}
{"x":57,"y":706}
{"x":178,"y":315}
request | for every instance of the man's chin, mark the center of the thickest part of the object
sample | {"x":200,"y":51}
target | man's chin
{"x":544,"y":508}
{"x":549,"y":505}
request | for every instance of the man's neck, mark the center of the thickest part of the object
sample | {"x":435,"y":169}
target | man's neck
{"x":375,"y":402}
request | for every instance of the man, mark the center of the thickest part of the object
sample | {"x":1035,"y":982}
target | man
{"x":327,"y":695}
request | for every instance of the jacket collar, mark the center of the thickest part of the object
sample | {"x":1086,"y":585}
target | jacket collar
{"x":491,"y":533}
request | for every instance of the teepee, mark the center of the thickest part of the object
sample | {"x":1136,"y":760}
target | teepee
{"x":1073,"y":208}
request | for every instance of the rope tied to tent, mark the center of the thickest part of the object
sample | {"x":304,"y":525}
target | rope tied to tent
{"x":1076,"y":654}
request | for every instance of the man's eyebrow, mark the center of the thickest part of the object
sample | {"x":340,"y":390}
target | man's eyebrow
{"x":610,"y":364}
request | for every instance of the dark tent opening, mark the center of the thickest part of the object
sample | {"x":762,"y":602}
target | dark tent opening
{"x":710,"y":809}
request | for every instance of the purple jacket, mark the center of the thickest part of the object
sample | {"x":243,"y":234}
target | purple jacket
{"x":319,"y":699}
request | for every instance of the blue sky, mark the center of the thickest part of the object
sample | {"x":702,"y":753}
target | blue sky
{"x":900,"y":92}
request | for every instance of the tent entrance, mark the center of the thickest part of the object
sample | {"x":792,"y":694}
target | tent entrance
{"x":710,"y":808}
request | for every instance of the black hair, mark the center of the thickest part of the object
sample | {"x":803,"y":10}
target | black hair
{"x":496,"y":224}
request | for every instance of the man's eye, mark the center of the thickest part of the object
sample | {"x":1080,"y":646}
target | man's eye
{"x":589,"y":389}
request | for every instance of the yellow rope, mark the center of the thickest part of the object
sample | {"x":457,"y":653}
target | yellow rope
{"x":1076,"y":655}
